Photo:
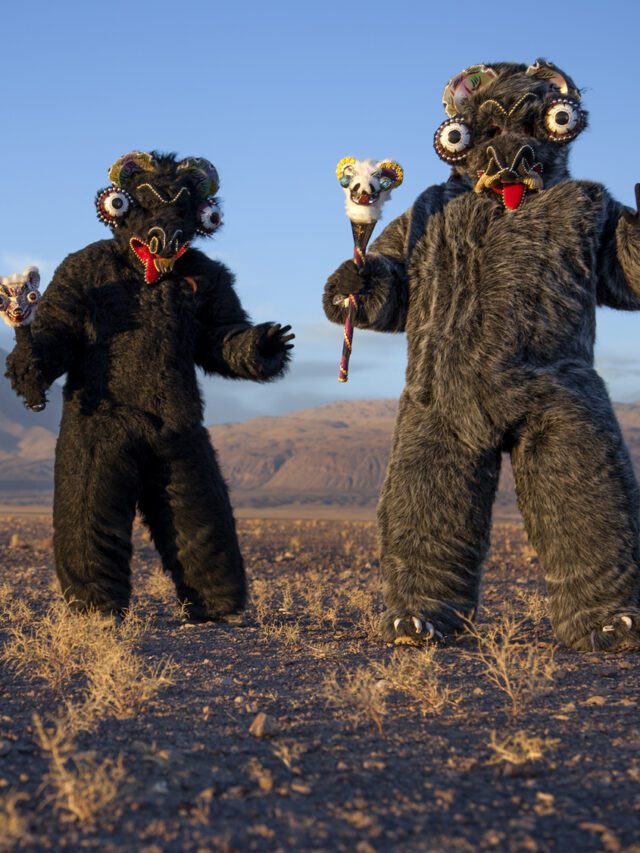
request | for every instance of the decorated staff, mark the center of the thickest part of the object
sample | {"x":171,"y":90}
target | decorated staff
{"x":19,"y":297}
{"x":367,"y":184}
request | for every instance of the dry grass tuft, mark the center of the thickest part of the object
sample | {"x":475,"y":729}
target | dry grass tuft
{"x":417,"y":676}
{"x":534,"y":605}
{"x":160,"y":586}
{"x":519,"y":667}
{"x":519,"y":748}
{"x":80,"y":787}
{"x":13,"y":826}
{"x":87,"y":655}
{"x":359,"y":696}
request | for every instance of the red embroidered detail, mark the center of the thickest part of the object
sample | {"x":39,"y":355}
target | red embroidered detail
{"x":155,"y":266}
{"x":512,"y":194}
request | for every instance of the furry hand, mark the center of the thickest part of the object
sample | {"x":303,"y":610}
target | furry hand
{"x":274,"y":340}
{"x":350,"y":279}
{"x":633,"y":216}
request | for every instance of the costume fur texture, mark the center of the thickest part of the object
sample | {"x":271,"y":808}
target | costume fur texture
{"x":131,"y":433}
{"x":499,"y":310}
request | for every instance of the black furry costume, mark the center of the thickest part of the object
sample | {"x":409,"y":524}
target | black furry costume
{"x":129,"y":334}
{"x":496,"y":289}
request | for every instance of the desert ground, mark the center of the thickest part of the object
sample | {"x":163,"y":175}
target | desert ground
{"x":299,"y":730}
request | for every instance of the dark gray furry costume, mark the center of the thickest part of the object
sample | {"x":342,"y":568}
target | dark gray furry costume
{"x":499,"y":310}
{"x":129,"y":337}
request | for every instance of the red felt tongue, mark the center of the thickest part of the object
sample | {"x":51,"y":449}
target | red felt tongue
{"x":512,"y":195}
{"x":151,"y":274}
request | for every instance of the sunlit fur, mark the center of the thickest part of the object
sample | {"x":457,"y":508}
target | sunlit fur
{"x":499,"y":310}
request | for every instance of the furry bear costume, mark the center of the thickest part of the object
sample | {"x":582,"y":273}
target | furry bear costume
{"x":495,"y":276}
{"x":128,"y":320}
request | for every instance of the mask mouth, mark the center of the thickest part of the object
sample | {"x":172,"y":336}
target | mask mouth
{"x":18,"y":316}
{"x":511,"y":181}
{"x":364,"y":197}
{"x":155,"y":265}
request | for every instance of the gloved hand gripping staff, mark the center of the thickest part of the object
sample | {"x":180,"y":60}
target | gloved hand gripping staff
{"x":367,"y":185}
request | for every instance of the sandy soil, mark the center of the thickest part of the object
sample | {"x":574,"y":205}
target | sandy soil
{"x":363,"y":751}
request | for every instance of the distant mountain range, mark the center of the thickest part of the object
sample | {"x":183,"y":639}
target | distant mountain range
{"x":27,"y":440}
{"x":332,"y":455}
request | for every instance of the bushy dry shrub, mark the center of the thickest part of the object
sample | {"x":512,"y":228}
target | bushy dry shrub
{"x":513,"y":662}
{"x":358,"y":696}
{"x":79,"y":787}
{"x":519,"y":747}
{"x":416,"y":675}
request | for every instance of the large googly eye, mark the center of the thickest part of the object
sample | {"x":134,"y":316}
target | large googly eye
{"x":563,"y":120}
{"x":33,"y":296}
{"x":452,"y":140}
{"x":209,"y":217}
{"x":112,"y":205}
{"x":4,"y":303}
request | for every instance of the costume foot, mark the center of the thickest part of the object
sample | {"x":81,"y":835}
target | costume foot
{"x":404,"y":629}
{"x":620,"y":635}
{"x":195,"y":612}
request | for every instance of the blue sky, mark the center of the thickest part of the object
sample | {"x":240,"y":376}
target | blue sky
{"x":275,"y":94}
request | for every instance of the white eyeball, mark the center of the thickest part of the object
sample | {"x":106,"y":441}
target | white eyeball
{"x":452,"y":140}
{"x":564,"y":120}
{"x":209,"y":217}
{"x":113,"y":205}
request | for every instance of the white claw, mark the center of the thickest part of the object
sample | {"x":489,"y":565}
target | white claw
{"x":417,"y":624}
{"x":431,"y":630}
{"x":628,"y":621}
{"x":606,"y":629}
{"x":396,"y":624}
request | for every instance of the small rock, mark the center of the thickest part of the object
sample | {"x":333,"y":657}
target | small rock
{"x":264,"y":725}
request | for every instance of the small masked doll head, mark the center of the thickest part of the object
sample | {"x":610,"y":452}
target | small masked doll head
{"x":19,"y":297}
{"x":509,"y":127}
{"x":156,"y":205}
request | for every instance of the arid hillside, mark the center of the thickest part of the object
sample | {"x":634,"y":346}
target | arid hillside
{"x":336,"y":453}
{"x":332,"y":455}
{"x":27,"y":441}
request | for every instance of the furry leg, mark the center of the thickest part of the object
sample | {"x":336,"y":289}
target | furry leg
{"x":96,"y":483}
{"x":185,"y":503}
{"x":434,"y":521}
{"x":579,"y":499}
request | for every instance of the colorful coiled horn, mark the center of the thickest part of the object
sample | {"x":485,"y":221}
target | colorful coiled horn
{"x":130,"y":164}
{"x":206,"y":175}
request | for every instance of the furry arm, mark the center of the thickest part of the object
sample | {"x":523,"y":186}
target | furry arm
{"x":619,"y":267}
{"x":47,"y":350}
{"x":383,"y":306}
{"x":228,"y":344}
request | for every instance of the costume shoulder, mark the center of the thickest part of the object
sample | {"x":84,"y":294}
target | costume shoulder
{"x":436,"y":196}
{"x":211,"y":274}
{"x":597,"y":193}
{"x":400,"y":236}
{"x":78,"y":266}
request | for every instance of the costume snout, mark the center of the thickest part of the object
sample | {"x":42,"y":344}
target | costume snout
{"x":510,"y":171}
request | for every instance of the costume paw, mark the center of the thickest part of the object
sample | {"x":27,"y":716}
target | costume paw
{"x":227,"y":611}
{"x":404,"y":629}
{"x":622,"y":633}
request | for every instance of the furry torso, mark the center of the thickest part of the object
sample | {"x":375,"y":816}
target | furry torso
{"x":498,"y":299}
{"x":138,"y":341}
